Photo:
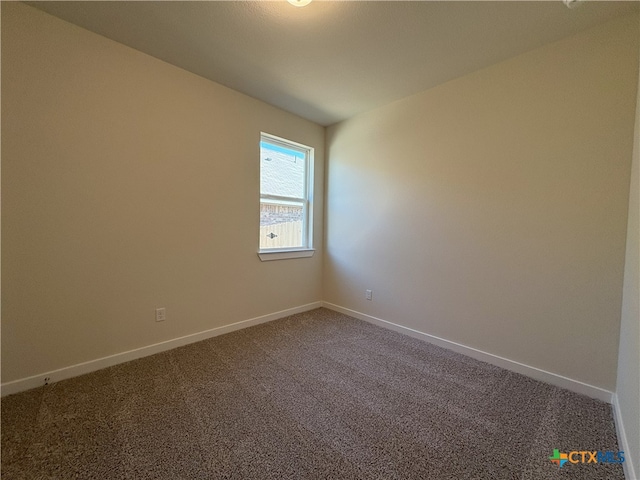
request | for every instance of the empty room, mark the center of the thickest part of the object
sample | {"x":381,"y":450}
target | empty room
{"x":320,"y":240}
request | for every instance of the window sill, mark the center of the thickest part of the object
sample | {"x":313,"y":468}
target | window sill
{"x":266,"y":255}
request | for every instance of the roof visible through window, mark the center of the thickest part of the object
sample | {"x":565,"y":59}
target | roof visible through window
{"x":282,"y":171}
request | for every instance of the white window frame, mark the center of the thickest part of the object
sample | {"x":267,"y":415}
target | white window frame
{"x":306,"y":250}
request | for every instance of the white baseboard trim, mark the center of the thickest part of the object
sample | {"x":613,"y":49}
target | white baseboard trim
{"x":28,"y":383}
{"x":533,"y":372}
{"x":623,"y":443}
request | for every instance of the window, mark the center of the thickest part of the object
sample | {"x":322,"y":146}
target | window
{"x":285,"y":198}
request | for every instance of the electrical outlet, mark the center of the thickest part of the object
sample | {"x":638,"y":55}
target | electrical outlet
{"x":161,"y":314}
{"x":368,"y":294}
{"x":47,"y":380}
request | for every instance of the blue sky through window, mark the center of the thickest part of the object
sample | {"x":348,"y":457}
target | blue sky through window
{"x":279,"y":149}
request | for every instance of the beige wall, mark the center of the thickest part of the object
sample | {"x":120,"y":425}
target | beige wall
{"x":628,"y":385}
{"x":491,"y":211}
{"x":127,"y":184}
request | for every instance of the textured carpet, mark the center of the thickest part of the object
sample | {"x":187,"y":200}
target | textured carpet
{"x":317,"y":395}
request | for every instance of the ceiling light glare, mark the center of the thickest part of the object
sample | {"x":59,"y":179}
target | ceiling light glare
{"x":572,"y":3}
{"x":299,"y":3}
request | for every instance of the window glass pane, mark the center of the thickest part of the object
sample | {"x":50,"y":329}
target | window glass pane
{"x":281,"y":224}
{"x":282,"y":171}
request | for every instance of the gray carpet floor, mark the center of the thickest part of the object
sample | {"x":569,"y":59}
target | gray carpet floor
{"x":317,"y":395}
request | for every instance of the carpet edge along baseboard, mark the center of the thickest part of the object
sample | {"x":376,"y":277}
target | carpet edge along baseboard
{"x":76,"y":370}
{"x":573,"y":385}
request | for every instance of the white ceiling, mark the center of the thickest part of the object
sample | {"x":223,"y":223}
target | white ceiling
{"x":333,"y":59}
